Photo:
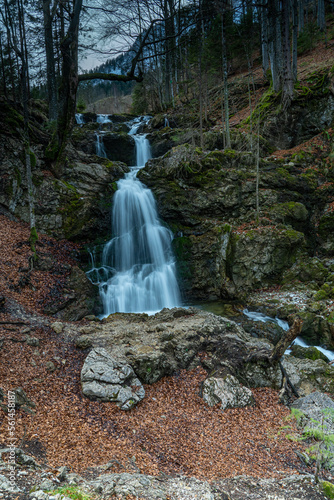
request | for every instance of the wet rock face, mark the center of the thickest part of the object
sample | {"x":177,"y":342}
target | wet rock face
{"x":208,"y":199}
{"x":120,"y":147}
{"x":73,"y":207}
{"x":81,"y":299}
{"x":107,"y":379}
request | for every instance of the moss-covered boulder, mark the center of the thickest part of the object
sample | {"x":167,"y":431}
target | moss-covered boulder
{"x":313,"y":353}
{"x":326,"y":230}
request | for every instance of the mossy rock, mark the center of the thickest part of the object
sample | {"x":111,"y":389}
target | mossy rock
{"x":290,"y":210}
{"x":306,"y":270}
{"x":313,"y":353}
{"x":326,"y":292}
{"x":328,"y":489}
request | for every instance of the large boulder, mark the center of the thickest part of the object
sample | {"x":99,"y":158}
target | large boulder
{"x":107,"y":379}
{"x":160,"y":345}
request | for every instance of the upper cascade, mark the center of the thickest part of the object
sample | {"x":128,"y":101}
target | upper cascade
{"x":137,"y":272}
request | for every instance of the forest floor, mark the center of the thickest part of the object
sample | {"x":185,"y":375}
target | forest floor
{"x":172,"y":431}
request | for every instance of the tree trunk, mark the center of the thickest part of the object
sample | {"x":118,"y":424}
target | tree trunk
{"x":70,"y":80}
{"x":321,"y":15}
{"x":50,"y":61}
{"x":275,"y":45}
{"x":301,"y":20}
{"x":294,"y":38}
{"x":264,"y":39}
{"x":225,"y":86}
{"x":25,"y":96}
{"x":4,"y":84}
{"x":288,"y":82}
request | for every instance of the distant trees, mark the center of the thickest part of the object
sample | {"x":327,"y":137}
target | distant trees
{"x":172,"y":44}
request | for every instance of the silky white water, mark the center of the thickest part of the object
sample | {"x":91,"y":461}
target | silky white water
{"x":138,"y":268}
{"x":256,"y":316}
{"x":100,"y":149}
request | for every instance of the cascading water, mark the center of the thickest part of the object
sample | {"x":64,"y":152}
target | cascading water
{"x":138,"y":269}
{"x":79,"y":119}
{"x":100,"y":149}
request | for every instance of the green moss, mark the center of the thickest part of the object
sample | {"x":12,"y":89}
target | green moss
{"x":72,"y":492}
{"x":12,"y":119}
{"x":328,"y":489}
{"x":33,"y":159}
{"x":326,"y":292}
{"x":285,"y":174}
{"x":182,"y":247}
{"x":18,"y":175}
{"x":290,"y":210}
{"x":307,"y":353}
{"x":33,"y":238}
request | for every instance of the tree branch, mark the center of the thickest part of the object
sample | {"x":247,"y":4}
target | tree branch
{"x":111,"y":77}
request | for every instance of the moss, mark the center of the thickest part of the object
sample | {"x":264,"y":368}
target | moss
{"x":290,"y":210}
{"x":72,"y":492}
{"x":18,"y":175}
{"x":326,"y":292}
{"x":182,"y":247}
{"x":33,"y":239}
{"x":328,"y":489}
{"x":37,"y":180}
{"x":285,"y":174}
{"x":52,"y":149}
{"x":12,"y":119}
{"x":33,"y":159}
{"x":307,"y":353}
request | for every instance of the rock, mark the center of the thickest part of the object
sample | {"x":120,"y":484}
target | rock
{"x":22,"y":399}
{"x":6,"y":485}
{"x":229,"y":392}
{"x":33,"y":341}
{"x":62,"y":473}
{"x":21,"y":457}
{"x":314,"y":407}
{"x":82,"y":299}
{"x":39,"y":495}
{"x":84,"y":342}
{"x":124,"y":485}
{"x":50,"y":366}
{"x":159,"y":345}
{"x":307,"y":353}
{"x":120,"y":147}
{"x":223,"y":254}
{"x":2,"y":301}
{"x":107,"y":379}
{"x":57,"y":326}
{"x":74,"y":205}
{"x":316,"y":417}
{"x":308,"y":375}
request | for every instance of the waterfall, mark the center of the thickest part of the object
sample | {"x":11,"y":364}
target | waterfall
{"x":103,"y":119}
{"x":137,"y":273}
{"x":100,"y":149}
{"x":79,"y":118}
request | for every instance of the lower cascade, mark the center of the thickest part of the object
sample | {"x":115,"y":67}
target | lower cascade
{"x":137,"y":272}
